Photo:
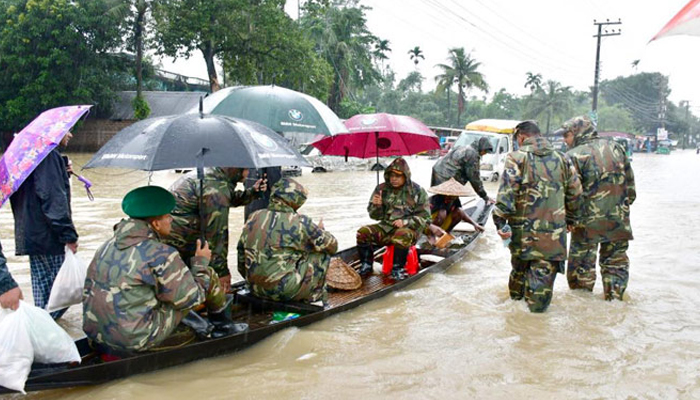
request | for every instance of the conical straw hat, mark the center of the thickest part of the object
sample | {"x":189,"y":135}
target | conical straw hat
{"x":452,"y":188}
{"x":341,"y":276}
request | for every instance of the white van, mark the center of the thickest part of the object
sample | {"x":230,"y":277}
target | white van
{"x":500,"y":134}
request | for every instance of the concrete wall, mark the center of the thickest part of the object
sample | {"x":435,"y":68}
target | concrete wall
{"x":93,"y":133}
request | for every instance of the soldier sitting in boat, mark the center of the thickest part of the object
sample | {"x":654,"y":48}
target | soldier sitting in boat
{"x":284,"y":255}
{"x":446,"y":207}
{"x":138,"y":289}
{"x":219,"y":195}
{"x":401,"y":207}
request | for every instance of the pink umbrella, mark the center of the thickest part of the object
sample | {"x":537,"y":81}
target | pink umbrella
{"x":33,"y":143}
{"x":375,"y":135}
{"x":686,"y":22}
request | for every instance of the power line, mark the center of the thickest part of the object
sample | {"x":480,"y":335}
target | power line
{"x":597,"y":56}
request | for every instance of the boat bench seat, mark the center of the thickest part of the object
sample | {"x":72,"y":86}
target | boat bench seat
{"x":245,"y":297}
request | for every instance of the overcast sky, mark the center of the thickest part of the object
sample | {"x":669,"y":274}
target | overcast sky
{"x":511,"y":37}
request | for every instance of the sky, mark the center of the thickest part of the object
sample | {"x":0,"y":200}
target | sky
{"x":512,"y":37}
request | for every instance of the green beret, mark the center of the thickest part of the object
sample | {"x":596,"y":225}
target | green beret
{"x":148,"y":201}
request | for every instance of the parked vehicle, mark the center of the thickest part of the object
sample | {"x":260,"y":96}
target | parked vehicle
{"x":500,"y":134}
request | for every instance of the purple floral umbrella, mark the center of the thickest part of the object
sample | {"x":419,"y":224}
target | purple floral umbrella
{"x":33,"y":143}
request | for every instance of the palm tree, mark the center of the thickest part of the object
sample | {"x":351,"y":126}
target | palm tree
{"x":381,"y":48}
{"x":444,"y":81}
{"x":635,"y":64}
{"x":554,"y":99}
{"x":416,"y":55}
{"x":533,"y":81}
{"x":465,"y":72}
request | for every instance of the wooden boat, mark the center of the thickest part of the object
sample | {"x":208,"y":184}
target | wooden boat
{"x":257,"y":313}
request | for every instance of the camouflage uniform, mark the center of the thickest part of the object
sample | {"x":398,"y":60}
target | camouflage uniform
{"x":539,"y":196}
{"x":219,"y":195}
{"x":283,"y":255}
{"x":137,"y":290}
{"x":608,"y":192}
{"x":409,"y":203}
{"x":463,"y":164}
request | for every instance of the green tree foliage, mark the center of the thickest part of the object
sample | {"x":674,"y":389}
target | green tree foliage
{"x":643,"y":95}
{"x":271,"y":48}
{"x":185,"y":26}
{"x":55,"y":53}
{"x":533,"y":81}
{"x":552,"y":101}
{"x":339,"y":32}
{"x":465,"y":72}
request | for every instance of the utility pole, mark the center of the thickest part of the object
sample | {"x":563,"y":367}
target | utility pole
{"x":601,"y":33}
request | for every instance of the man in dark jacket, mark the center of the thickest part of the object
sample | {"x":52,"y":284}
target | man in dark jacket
{"x":43,"y":223}
{"x":10,"y":294}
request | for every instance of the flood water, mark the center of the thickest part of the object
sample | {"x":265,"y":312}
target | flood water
{"x":454,"y":335}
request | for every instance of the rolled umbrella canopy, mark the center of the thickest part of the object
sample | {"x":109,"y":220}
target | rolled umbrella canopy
{"x":192,"y":140}
{"x":33,"y":143}
{"x":380,"y":135}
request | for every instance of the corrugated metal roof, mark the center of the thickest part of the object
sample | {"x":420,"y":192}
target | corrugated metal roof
{"x":161,"y":103}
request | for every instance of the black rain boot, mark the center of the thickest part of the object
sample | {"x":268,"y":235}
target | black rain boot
{"x":199,"y":324}
{"x":398,"y":270}
{"x":366,"y":260}
{"x":223,"y":324}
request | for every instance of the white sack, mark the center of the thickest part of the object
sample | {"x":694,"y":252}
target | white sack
{"x":52,"y":345}
{"x":16,"y":352}
{"x":67,"y":289}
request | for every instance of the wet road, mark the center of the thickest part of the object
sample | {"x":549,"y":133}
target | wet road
{"x":454,"y":335}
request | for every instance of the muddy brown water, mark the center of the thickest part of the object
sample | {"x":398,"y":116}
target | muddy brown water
{"x":454,"y":335}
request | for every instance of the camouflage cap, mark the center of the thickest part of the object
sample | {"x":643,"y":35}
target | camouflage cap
{"x":577,"y":125}
{"x":148,"y":201}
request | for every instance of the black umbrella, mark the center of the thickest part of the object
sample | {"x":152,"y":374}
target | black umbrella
{"x":195,"y":140}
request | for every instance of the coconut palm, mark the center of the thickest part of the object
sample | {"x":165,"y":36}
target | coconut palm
{"x":533,"y":81}
{"x":551,"y":100}
{"x":465,"y":71}
{"x":444,"y":81}
{"x":416,"y":55}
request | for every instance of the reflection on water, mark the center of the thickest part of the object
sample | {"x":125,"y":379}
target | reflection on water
{"x":457,"y":334}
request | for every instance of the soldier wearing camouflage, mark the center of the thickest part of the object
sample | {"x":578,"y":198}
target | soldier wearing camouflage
{"x":137,"y":289}
{"x":463,"y":164}
{"x":402,"y":209}
{"x":219,"y":195}
{"x":408,"y":203}
{"x":284,"y":255}
{"x":608,"y":192}
{"x":538,"y":197}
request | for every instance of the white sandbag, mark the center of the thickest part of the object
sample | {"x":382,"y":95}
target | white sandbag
{"x":67,"y":288}
{"x":16,"y":351}
{"x":52,"y":345}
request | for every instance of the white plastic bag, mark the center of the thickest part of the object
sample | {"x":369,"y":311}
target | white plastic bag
{"x":52,"y":345}
{"x":16,"y":351}
{"x":68,"y":286}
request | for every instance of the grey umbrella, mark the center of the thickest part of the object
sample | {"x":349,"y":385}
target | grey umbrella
{"x":195,"y":140}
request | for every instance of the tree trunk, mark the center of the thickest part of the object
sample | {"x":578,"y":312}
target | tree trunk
{"x":549,"y":117}
{"x":138,"y":38}
{"x":208,"y":52}
{"x":449,"y":110}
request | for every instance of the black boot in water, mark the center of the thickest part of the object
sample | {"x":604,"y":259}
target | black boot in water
{"x":198,"y":324}
{"x":366,"y":260}
{"x":223,"y":324}
{"x":398,"y":270}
